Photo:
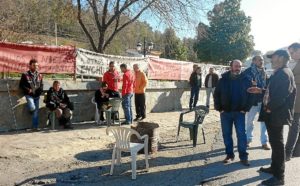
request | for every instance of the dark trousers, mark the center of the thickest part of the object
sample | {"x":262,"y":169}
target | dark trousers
{"x":293,"y":135}
{"x":228,"y":119}
{"x":194,"y":96}
{"x":140,"y":105}
{"x":278,"y":152}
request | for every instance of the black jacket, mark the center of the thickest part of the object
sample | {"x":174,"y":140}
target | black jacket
{"x":282,"y":94}
{"x":194,"y":80}
{"x":33,"y":81}
{"x":99,"y":99}
{"x":54,"y":98}
{"x":223,"y":94}
{"x":215,"y":79}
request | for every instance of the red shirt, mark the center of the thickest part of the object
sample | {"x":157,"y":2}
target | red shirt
{"x":128,"y":81}
{"x":112,"y":79}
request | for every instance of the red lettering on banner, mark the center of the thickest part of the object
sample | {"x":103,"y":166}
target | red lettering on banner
{"x":15,"y":58}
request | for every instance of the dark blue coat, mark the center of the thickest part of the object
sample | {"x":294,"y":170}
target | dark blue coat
{"x":223,"y":94}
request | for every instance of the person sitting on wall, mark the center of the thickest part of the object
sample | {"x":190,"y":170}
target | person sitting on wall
{"x":101,"y":98}
{"x":58,"y":101}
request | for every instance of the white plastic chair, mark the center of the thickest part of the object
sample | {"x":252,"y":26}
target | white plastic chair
{"x":97,"y":116}
{"x":122,"y":136}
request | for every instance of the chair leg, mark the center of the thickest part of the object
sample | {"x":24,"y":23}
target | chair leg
{"x":118,"y":157}
{"x":113,"y":162}
{"x":203,"y":136}
{"x":178,"y":133}
{"x":195,"y":135}
{"x":133,"y":165}
{"x":146,"y":157}
{"x":53,"y":118}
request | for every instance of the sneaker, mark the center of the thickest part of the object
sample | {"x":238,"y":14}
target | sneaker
{"x":266,"y":170}
{"x":228,"y":159}
{"x":137,"y":119}
{"x":144,"y":117}
{"x":273,"y":181}
{"x":125,"y":123}
{"x":245,"y":163}
{"x":265,"y":147}
{"x":249,"y":144}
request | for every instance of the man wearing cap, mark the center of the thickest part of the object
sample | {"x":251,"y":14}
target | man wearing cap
{"x":292,"y":147}
{"x":277,"y":111}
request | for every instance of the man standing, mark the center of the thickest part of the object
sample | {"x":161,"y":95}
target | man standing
{"x":257,"y":75}
{"x":127,"y":90}
{"x":211,"y":81}
{"x":195,"y":82}
{"x":32,"y":85}
{"x":293,"y":141}
{"x":112,"y":78}
{"x":139,"y":93}
{"x":278,"y":109}
{"x":231,"y":100}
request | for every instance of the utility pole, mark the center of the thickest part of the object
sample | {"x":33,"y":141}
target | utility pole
{"x":55,"y":33}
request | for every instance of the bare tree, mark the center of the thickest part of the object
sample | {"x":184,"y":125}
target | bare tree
{"x":112,"y":16}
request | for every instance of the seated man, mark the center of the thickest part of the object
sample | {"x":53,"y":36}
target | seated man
{"x":102,"y":98}
{"x":57,"y":100}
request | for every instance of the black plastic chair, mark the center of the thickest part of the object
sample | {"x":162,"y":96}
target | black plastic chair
{"x":200,"y":113}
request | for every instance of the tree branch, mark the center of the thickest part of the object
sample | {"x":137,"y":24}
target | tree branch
{"x":84,"y":27}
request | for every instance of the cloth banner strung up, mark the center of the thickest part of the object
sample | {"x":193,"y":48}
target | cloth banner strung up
{"x":51,"y":59}
{"x":93,"y":64}
{"x":165,"y":69}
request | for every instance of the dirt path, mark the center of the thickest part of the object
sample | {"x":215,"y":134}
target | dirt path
{"x":82,"y":156}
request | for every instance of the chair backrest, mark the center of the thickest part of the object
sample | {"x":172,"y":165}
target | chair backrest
{"x":200,"y":113}
{"x":94,"y":102}
{"x":122,"y":136}
{"x":115,"y":103}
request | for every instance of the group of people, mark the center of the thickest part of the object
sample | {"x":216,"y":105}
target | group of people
{"x":57,"y":100}
{"x":240,"y":96}
{"x":133,"y":83}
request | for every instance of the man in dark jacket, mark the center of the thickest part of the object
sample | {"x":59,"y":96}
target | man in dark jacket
{"x":57,"y":100}
{"x":278,"y":110}
{"x":211,"y":81}
{"x":32,"y":85}
{"x":231,"y":99}
{"x":195,"y":82}
{"x":101,"y":98}
{"x":257,"y":75}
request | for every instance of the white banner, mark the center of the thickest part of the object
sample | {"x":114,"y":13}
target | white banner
{"x":95,"y":65}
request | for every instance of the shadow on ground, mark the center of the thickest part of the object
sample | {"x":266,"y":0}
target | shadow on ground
{"x":204,"y":174}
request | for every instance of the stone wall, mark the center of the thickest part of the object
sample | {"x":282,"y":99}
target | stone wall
{"x":161,"y":96}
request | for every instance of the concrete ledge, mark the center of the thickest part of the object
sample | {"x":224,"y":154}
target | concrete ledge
{"x":161,"y":96}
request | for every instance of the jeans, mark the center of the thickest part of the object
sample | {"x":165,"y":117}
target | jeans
{"x":278,"y":153}
{"x":227,"y":121}
{"x":209,"y":92}
{"x":140,"y":105}
{"x":249,"y":125}
{"x":194,"y":96}
{"x":293,"y":136}
{"x":126,"y":104}
{"x":33,"y":106}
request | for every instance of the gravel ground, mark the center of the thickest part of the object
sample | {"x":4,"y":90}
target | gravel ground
{"x":82,"y":157}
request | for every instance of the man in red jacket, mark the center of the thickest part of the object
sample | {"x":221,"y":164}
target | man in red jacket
{"x":112,"y":79}
{"x":127,"y":93}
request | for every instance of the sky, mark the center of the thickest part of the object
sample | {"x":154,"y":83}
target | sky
{"x":275,"y":23}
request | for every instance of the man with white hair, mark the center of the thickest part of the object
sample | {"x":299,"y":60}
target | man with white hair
{"x":140,"y":85}
{"x":231,"y":99}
